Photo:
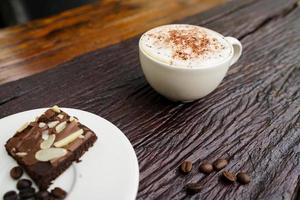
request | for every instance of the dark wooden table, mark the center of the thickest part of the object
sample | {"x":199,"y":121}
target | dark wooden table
{"x":253,"y":118}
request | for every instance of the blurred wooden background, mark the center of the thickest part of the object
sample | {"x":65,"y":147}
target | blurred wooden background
{"x":42,"y":44}
{"x":13,"y":12}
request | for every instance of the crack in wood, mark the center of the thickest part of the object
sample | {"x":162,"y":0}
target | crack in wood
{"x":13,"y":97}
{"x":4,"y":101}
{"x":296,"y":195}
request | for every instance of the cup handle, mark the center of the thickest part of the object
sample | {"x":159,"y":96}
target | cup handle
{"x":237,"y":49}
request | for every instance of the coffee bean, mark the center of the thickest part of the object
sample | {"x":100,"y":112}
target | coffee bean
{"x":220,"y":164}
{"x":193,"y":188}
{"x":186,"y":167}
{"x":30,"y":198}
{"x":23,"y":183}
{"x":43,"y":195}
{"x":243,"y":178}
{"x":229,"y":176}
{"x":59,"y":193}
{"x":11,"y":195}
{"x":206,"y":168}
{"x":27,"y":192}
{"x":16,"y":172}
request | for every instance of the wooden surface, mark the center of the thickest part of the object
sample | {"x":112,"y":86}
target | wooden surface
{"x":253,"y":118}
{"x":43,"y":44}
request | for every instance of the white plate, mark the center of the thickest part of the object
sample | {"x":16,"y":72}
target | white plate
{"x":109,"y":170}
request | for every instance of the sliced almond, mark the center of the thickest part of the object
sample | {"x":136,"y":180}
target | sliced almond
{"x":45,"y":155}
{"x":48,"y":143}
{"x":81,"y":136}
{"x":45,"y":134}
{"x":52,"y":124}
{"x":72,"y":119}
{"x":42,"y":124}
{"x":60,"y":127}
{"x":60,"y":116}
{"x":70,"y":138}
{"x":56,"y":109}
{"x":21,"y":154}
{"x":23,"y":127}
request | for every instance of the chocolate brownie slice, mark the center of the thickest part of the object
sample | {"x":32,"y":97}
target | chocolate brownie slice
{"x":46,"y":147}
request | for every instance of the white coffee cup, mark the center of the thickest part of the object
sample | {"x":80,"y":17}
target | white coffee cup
{"x":187,"y":84}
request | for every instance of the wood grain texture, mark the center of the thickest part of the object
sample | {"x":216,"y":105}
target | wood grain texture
{"x":42,"y":44}
{"x":253,"y":118}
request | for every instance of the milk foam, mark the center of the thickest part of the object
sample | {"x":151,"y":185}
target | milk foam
{"x":185,"y":46}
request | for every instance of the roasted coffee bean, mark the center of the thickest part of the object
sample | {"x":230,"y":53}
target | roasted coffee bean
{"x":206,"y":168}
{"x":23,"y":183}
{"x":220,"y":164}
{"x":193,"y":188}
{"x":16,"y":172}
{"x":43,"y":195}
{"x":186,"y":167}
{"x":229,"y":176}
{"x":59,"y":193}
{"x":27,"y":192}
{"x":11,"y":195}
{"x":243,"y":178}
{"x":30,"y":198}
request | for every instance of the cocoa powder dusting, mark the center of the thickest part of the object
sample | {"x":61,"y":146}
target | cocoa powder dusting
{"x":189,"y":43}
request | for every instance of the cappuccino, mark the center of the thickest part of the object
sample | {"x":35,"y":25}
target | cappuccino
{"x":185,"y":46}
